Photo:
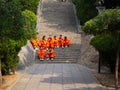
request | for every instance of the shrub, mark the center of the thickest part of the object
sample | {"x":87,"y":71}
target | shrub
{"x":104,"y":42}
{"x":30,"y":24}
{"x":8,"y":51}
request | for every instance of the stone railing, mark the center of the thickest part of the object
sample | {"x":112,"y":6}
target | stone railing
{"x":88,"y":55}
{"x":26,"y":56}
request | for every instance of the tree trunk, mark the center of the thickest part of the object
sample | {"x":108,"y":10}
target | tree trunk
{"x":116,"y":72}
{"x":117,"y":66}
{"x":0,"y":75}
{"x":99,"y":63}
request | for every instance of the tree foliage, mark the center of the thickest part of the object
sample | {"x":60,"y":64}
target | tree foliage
{"x":106,"y":30}
{"x":11,"y":21}
{"x":8,"y":49}
{"x":106,"y":22}
{"x":104,"y":42}
{"x":27,"y":4}
{"x":16,"y":26}
{"x":85,"y":10}
{"x":30,"y":23}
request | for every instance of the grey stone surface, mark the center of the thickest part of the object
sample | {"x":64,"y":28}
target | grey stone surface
{"x":57,"y":77}
{"x":88,"y":56}
{"x":26,"y":56}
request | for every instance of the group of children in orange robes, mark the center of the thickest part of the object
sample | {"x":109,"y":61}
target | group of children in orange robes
{"x":46,"y":47}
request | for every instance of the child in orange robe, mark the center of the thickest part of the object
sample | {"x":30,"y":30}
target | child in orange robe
{"x":50,"y":54}
{"x":43,"y":43}
{"x":49,"y":37}
{"x":50,"y":43}
{"x":41,"y":54}
{"x":66,"y":42}
{"x":34,"y":43}
{"x":55,"y":40}
{"x":60,"y":41}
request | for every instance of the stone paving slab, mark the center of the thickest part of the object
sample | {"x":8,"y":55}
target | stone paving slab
{"x":57,"y":77}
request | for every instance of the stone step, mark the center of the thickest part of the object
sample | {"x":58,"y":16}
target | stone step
{"x":67,"y":49}
{"x":58,"y":18}
{"x":56,"y":6}
{"x":70,"y":25}
{"x":66,"y":53}
{"x":66,"y":56}
{"x":41,"y":62}
{"x":51,"y":12}
{"x":69,"y":21}
{"x":57,"y":30}
{"x":57,"y":61}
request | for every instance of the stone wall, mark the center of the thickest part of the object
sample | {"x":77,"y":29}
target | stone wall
{"x":26,"y":56}
{"x":88,"y":55}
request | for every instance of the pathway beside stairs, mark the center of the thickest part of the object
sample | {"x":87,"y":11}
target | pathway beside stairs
{"x":55,"y":18}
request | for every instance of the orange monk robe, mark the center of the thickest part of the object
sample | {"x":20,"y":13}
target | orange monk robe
{"x":41,"y":53}
{"x":50,"y":43}
{"x":40,"y":42}
{"x":66,"y":42}
{"x":49,"y":38}
{"x":34,"y":43}
{"x":43,"y":44}
{"x":60,"y":41}
{"x":50,"y":53}
{"x":55,"y":40}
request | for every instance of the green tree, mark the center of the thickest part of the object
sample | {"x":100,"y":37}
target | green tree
{"x":8,"y":49}
{"x":16,"y":27}
{"x":107,"y":23}
{"x":85,"y":10}
{"x":30,"y":23}
{"x":11,"y":21}
{"x":27,"y":4}
{"x":106,"y":30}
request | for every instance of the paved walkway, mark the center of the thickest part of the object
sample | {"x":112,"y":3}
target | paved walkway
{"x":58,"y":18}
{"x":57,"y":77}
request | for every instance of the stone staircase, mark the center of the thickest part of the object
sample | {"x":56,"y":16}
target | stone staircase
{"x":57,"y":18}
